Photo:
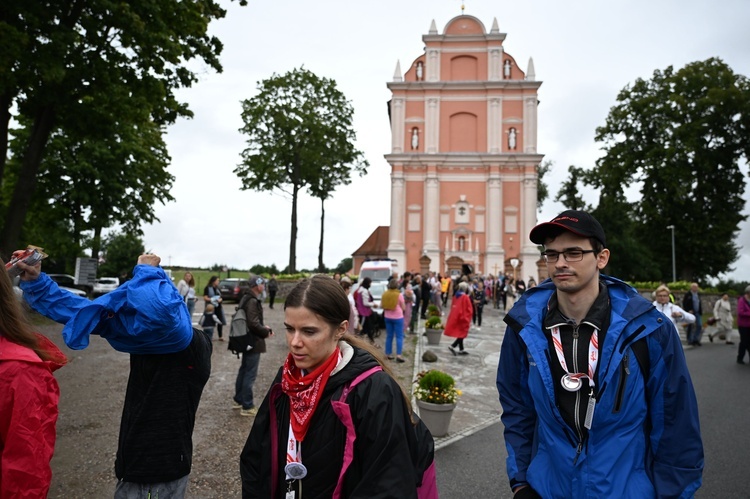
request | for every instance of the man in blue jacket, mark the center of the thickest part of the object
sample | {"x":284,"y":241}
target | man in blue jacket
{"x":597,"y":399}
{"x":170,"y":363}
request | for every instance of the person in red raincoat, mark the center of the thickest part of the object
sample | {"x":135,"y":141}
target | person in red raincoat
{"x":459,"y":319}
{"x":28,"y":401}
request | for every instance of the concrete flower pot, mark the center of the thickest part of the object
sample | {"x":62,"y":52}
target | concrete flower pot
{"x":433,"y":336}
{"x":437,"y":417}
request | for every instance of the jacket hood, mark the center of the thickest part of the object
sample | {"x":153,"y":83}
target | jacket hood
{"x":13,"y":351}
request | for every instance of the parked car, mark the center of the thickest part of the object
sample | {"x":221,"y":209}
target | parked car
{"x":104,"y":285}
{"x":233,"y":289}
{"x":19,"y":292}
{"x":67,"y":281}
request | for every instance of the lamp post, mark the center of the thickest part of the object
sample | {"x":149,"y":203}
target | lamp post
{"x":674,"y":268}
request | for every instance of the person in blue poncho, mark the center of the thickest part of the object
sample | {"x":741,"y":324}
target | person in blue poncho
{"x":170,"y":363}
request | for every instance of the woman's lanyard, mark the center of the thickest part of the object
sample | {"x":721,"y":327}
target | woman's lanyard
{"x":294,"y":468}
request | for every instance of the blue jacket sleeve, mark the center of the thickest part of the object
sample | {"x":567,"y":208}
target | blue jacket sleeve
{"x":519,"y":416}
{"x":146,"y":315}
{"x":675,"y":435}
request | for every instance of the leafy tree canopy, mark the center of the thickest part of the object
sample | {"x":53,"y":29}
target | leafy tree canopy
{"x":121,"y":252}
{"x":679,"y":139}
{"x":299,"y":134}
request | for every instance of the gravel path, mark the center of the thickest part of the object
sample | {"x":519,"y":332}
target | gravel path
{"x":92,"y":388}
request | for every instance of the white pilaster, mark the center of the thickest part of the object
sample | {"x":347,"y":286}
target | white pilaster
{"x":494,"y":253}
{"x":431,"y":220}
{"x":432,"y":125}
{"x":495,"y":64}
{"x":529,"y":253}
{"x":397,"y":125}
{"x":396,"y":234}
{"x":494,"y":124}
{"x":433,"y":65}
{"x":529,"y":125}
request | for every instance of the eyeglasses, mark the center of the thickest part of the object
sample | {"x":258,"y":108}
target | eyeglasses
{"x":570,"y":255}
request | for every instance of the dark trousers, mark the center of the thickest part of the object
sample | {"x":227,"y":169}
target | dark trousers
{"x":271,"y":298}
{"x":425,"y":304}
{"x":744,"y":344}
{"x":477,"y":317}
{"x":220,"y":314}
{"x":243,"y":387}
{"x":458,"y":343}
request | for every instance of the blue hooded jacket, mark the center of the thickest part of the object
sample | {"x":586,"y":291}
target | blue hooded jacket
{"x":146,"y":315}
{"x":644,"y":439}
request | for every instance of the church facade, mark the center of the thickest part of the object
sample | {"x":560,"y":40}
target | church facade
{"x":464,"y":156}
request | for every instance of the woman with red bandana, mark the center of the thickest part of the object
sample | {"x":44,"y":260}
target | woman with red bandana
{"x":335,"y":423}
{"x":28,"y":401}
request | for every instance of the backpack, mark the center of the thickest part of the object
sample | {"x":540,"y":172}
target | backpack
{"x":389,"y":301}
{"x":240,"y":339}
{"x":427,"y":486}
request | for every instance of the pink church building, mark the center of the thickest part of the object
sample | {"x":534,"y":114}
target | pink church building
{"x":464,"y":156}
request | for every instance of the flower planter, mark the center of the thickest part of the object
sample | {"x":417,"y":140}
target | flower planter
{"x":433,"y":336}
{"x":437,"y":417}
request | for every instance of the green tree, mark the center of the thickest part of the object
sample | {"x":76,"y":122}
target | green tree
{"x":680,"y":138}
{"x":344,"y":265}
{"x":83,"y":66}
{"x":542,"y":189}
{"x":569,"y":193}
{"x":121,"y":252}
{"x":299,"y":128}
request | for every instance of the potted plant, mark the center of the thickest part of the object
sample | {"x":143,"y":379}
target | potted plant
{"x":436,"y":396}
{"x":433,"y":327}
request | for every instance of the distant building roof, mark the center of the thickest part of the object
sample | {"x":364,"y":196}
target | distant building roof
{"x":376,"y":245}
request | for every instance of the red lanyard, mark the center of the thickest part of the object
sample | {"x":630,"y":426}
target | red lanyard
{"x":593,"y":356}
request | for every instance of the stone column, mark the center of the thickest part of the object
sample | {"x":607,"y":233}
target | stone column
{"x":529,"y":252}
{"x":494,"y":125}
{"x":433,"y":65}
{"x":432,"y":220}
{"x":494,"y":252}
{"x":494,"y":64}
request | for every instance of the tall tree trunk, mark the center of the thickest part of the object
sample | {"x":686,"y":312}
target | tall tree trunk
{"x":5,"y":103}
{"x":293,"y":242}
{"x":321,"y":267}
{"x":24,"y":189}
{"x":96,"y":242}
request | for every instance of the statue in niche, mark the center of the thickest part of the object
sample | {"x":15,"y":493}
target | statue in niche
{"x":415,"y":138}
{"x":506,"y":69}
{"x":420,"y":71}
{"x":512,"y":139}
{"x":461,"y":243}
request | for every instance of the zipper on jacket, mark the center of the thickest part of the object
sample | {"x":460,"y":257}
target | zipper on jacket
{"x":624,"y":373}
{"x":577,"y":417}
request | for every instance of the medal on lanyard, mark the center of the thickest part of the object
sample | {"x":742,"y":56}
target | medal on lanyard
{"x":294,"y":468}
{"x":572,"y":381}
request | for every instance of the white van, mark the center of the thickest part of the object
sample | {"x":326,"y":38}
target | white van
{"x":377,"y":270}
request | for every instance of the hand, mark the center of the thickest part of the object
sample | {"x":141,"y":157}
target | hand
{"x":29,"y":272}
{"x":149,"y":259}
{"x":676,"y":315}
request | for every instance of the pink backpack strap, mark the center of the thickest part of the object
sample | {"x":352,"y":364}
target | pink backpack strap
{"x":274,"y":432}
{"x":342,"y":410}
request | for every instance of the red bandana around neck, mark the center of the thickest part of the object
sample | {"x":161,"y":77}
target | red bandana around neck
{"x":304,"y":391}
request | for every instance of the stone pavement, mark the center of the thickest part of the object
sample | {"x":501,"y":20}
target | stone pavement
{"x":475,"y":374}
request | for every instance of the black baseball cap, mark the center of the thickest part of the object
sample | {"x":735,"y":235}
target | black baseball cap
{"x":577,"y":222}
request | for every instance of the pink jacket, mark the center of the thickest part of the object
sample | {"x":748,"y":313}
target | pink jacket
{"x":743,"y":312}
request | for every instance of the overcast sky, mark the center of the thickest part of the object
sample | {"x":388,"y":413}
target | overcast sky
{"x":585,"y":52}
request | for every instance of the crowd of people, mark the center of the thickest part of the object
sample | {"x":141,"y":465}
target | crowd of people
{"x":567,"y":339}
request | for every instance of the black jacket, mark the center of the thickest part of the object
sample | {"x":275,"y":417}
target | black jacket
{"x":158,"y":416}
{"x":687,"y":303}
{"x":390,"y":454}
{"x":254,"y":315}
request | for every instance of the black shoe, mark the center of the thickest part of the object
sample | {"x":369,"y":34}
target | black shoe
{"x":453,"y":350}
{"x":463,"y":352}
{"x":711,"y":338}
{"x":730,"y":342}
{"x":698,"y":344}
{"x":740,"y":361}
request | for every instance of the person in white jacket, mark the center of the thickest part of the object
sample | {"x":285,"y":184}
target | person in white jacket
{"x":724,"y":320}
{"x":675,"y":313}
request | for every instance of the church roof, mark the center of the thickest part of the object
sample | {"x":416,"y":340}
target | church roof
{"x":376,"y":245}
